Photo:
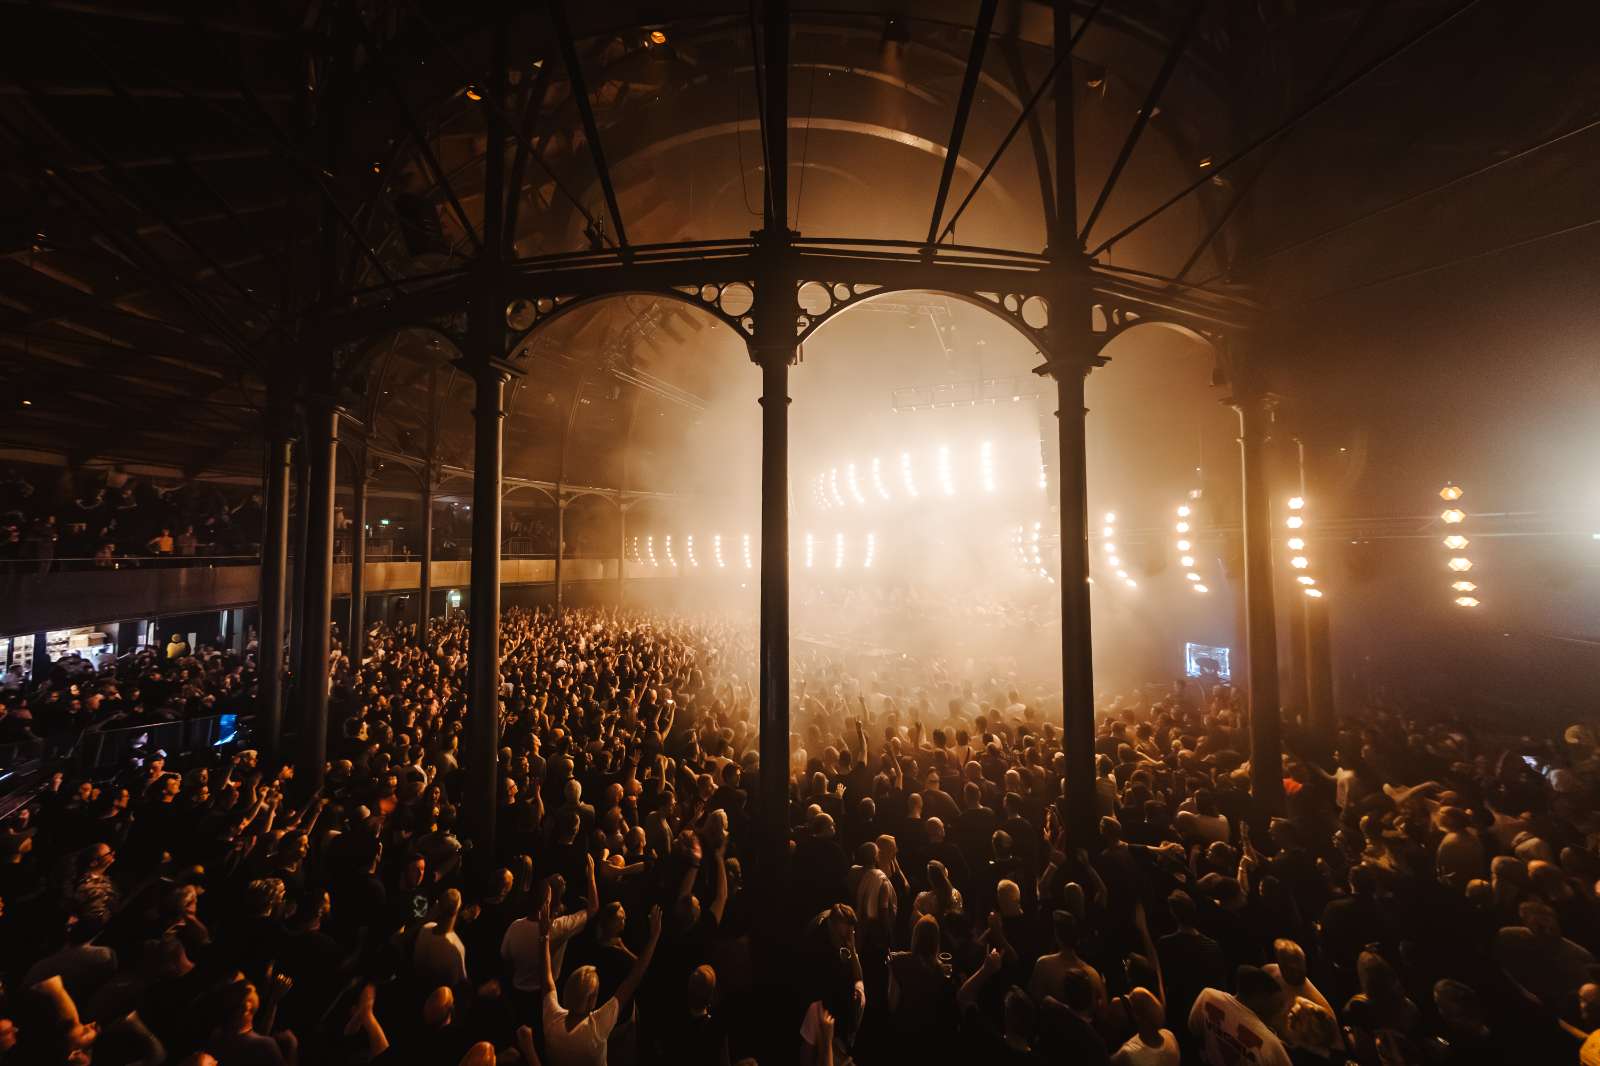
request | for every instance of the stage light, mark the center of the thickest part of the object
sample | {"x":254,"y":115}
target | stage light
{"x":1460,"y":564}
{"x":1187,"y":560}
{"x":905,"y":475}
{"x":872,"y":550}
{"x":986,"y":464}
{"x":1111,"y":531}
{"x":1114,"y":561}
{"x":650,"y":550}
{"x":838,"y":551}
{"x":1455,"y":542}
{"x":688,"y":547}
{"x":747,"y":564}
{"x":1182,"y":527}
{"x":877,"y":479}
{"x":811,"y":545}
{"x":946,"y":482}
{"x":1451,"y":493}
{"x":1466,"y":601}
{"x":855,"y":486}
{"x":1297,"y":544}
{"x":1184,"y":546}
{"x":1294,"y":521}
{"x":1306,"y":579}
{"x":670,"y":560}
{"x":473,"y":94}
{"x":1111,"y":518}
{"x":1122,"y":574}
{"x":1296,"y":502}
{"x":1453,"y":516}
{"x":1043,"y":482}
{"x":1191,"y":576}
{"x":1131,"y":583}
{"x":833,"y":486}
{"x":658,"y":38}
{"x":1110,"y":547}
{"x":1183,"y":511}
{"x":1199,"y":588}
{"x":1299,"y":562}
{"x":716,"y":550}
{"x":1464,"y":586}
{"x":1315,"y":594}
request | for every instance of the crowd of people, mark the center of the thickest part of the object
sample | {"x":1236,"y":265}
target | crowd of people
{"x":105,"y":519}
{"x":1427,"y":896}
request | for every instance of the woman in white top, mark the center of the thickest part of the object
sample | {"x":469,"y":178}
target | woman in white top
{"x":575,"y":1032}
{"x":1151,"y":1045}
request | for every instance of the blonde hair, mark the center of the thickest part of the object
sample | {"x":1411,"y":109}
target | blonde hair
{"x":583,"y":985}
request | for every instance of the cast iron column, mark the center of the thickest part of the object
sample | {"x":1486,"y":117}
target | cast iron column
{"x":486,"y":362}
{"x":1077,"y":642}
{"x":355,"y":641}
{"x":773,"y":349}
{"x":425,"y":573}
{"x":1073,"y":352}
{"x":1266,"y":745}
{"x":483,"y":645}
{"x":1321,"y":714}
{"x":622,"y":544}
{"x":322,"y":442}
{"x":274,"y":588}
{"x":297,"y":588}
{"x":561,"y":537}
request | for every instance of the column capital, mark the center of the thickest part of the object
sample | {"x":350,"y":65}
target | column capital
{"x":480,"y":366}
{"x":1063,"y":368}
{"x":1254,"y":402}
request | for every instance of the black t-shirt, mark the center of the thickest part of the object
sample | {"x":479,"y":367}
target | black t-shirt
{"x":699,"y":1040}
{"x":1190,"y":963}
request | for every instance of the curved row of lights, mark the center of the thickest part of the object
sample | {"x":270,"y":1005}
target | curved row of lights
{"x":1185,"y":545}
{"x":855,"y":484}
{"x":1025,"y":549}
{"x":642,"y":550}
{"x":1109,"y":546}
{"x":1299,"y":561}
{"x":1454,"y":543}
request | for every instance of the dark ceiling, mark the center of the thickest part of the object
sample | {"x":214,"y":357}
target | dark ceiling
{"x":186,"y":194}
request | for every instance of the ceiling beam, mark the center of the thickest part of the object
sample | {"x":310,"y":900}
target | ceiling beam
{"x":591,"y":129}
{"x":958,"y":128}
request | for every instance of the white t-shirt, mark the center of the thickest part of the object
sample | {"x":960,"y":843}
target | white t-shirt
{"x":1231,"y":1033}
{"x":585,"y":1043}
{"x":869,"y":894}
{"x":1137,"y":1053}
{"x":520,"y":948}
{"x":440,"y":960}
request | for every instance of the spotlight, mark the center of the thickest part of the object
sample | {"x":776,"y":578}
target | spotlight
{"x":1453,"y":516}
{"x":1294,"y":521}
{"x":1299,"y":562}
{"x":895,"y":31}
{"x":1466,"y":601}
{"x":1111,"y":531}
{"x":1182,"y":527}
{"x":1191,"y":576}
{"x":1184,"y":512}
{"x":1451,"y":493}
{"x":1111,"y":518}
{"x":1131,"y":583}
{"x":1199,"y":588}
{"x":877,"y":479}
{"x":855,"y":486}
{"x":1460,"y":564}
{"x":1306,"y":579}
{"x":1455,"y":542}
{"x":473,"y":94}
{"x":1111,"y":549}
{"x":658,"y":38}
{"x":1297,"y":544}
{"x":838,"y":551}
{"x":1464,"y":586}
{"x":1187,"y":560}
{"x":1184,"y":545}
{"x":872,"y":550}
{"x":1122,"y":574}
{"x":1114,"y":561}
{"x":1296,"y":502}
{"x":1315,"y":594}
